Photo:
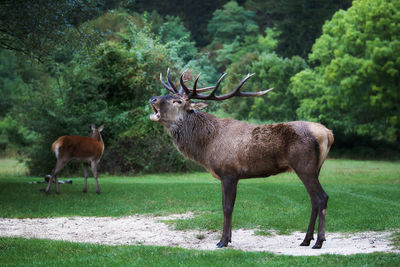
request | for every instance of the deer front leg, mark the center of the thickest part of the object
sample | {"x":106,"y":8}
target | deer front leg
{"x":85,"y":172}
{"x":229,"y":186}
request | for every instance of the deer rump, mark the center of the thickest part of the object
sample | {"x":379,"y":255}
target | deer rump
{"x":232,"y":150}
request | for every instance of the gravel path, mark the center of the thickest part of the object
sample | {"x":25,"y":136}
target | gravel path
{"x":150,"y":230}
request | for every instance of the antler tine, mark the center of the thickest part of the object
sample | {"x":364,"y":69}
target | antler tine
{"x":166,"y":85}
{"x":171,"y":84}
{"x":183,"y":86}
{"x":212,"y":94}
{"x":187,"y":90}
{"x":204,"y":89}
{"x":195,"y":84}
{"x":200,"y":89}
{"x":195,"y":90}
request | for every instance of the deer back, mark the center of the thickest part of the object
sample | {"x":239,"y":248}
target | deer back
{"x":78,"y":147}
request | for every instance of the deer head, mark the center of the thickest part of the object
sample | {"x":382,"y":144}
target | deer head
{"x":172,"y":108}
{"x":96,"y":133}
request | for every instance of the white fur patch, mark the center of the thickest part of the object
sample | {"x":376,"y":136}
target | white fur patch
{"x":321,"y":134}
{"x":56,"y":150}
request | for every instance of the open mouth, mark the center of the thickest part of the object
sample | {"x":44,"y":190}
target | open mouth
{"x":156,"y":115}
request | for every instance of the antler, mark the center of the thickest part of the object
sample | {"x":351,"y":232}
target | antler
{"x":183,"y":89}
{"x":169,"y":85}
{"x":236,"y":92}
{"x":193,"y":93}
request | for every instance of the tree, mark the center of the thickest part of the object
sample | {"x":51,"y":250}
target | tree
{"x":36,"y":27}
{"x":195,"y":14}
{"x":299,"y":22}
{"x":233,"y":52}
{"x":174,"y":34}
{"x":354,"y":89}
{"x":230,"y":22}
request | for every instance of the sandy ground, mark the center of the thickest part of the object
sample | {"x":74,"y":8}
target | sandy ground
{"x":150,"y":230}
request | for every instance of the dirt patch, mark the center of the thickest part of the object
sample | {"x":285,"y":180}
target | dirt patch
{"x":150,"y":230}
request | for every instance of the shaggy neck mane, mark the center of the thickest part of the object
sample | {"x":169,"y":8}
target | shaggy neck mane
{"x":194,"y":132}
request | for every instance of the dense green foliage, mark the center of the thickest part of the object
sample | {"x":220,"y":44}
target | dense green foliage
{"x":355,"y":87}
{"x":36,"y":27}
{"x":103,"y":65}
{"x":231,"y":22}
{"x":299,"y":22}
{"x":271,"y":71}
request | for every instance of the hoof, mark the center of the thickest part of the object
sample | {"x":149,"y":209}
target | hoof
{"x":221,"y":245}
{"x":58,"y":193}
{"x":305,"y":244}
{"x":318,"y":244}
{"x":98,"y":192}
{"x":84,"y":191}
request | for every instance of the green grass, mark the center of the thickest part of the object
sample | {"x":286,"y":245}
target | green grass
{"x":363,"y":196}
{"x":33,"y":252}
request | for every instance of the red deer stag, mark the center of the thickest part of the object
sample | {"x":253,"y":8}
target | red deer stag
{"x":78,"y":148}
{"x":231,"y":150}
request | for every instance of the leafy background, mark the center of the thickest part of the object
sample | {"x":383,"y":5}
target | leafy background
{"x":66,"y":64}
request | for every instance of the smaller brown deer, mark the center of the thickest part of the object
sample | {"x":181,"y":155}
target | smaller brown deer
{"x":79,"y":148}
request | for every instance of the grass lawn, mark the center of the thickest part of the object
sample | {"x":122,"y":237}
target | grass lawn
{"x":364,"y":195}
{"x":24,"y":252}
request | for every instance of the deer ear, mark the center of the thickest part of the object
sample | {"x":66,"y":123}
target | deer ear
{"x":198,"y":105}
{"x":93,"y":126}
{"x":101,"y":128}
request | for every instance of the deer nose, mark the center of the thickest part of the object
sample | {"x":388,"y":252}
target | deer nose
{"x":153,"y":100}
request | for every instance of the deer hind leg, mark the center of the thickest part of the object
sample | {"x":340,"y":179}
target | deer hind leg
{"x":310,"y":230}
{"x":85,"y":171}
{"x":229,"y":188}
{"x":56,"y":182}
{"x":319,"y":201}
{"x":322,"y":205}
{"x":94,"y":170}
{"x":59,"y":165}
